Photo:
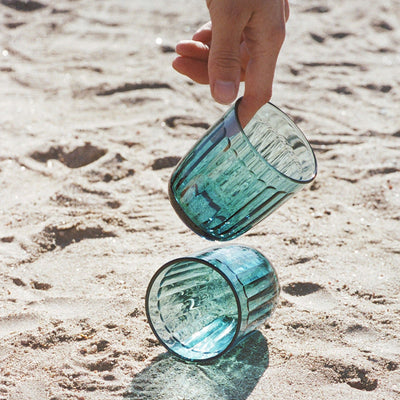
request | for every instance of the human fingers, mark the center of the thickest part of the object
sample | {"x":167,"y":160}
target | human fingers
{"x":224,"y":64}
{"x":195,"y":69}
{"x":287,"y":10}
{"x":204,"y":33}
{"x":192,"y":60}
{"x":199,"y":50}
{"x":258,"y":89}
{"x":264,"y":36}
{"x":193,"y":49}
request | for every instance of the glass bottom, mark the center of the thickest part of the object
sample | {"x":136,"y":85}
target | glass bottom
{"x":189,"y":223}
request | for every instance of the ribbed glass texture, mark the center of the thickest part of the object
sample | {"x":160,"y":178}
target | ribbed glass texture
{"x":233,"y":177}
{"x":201,"y":306}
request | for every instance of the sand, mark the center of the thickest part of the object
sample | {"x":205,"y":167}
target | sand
{"x":93,"y":120}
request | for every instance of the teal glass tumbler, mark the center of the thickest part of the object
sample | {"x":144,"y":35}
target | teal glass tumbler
{"x":201,"y":306}
{"x":234,"y":177}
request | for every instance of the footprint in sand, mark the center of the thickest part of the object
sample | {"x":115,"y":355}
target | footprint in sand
{"x":21,"y":5}
{"x":317,"y":38}
{"x":18,"y":323}
{"x":343,"y":90}
{"x":18,"y":282}
{"x":127,"y":87}
{"x":340,"y":35}
{"x":382,"y":26}
{"x":318,"y":10}
{"x":337,"y":35}
{"x":66,"y":308}
{"x":77,"y":196}
{"x":310,"y":296}
{"x":301,"y":288}
{"x":7,"y":239}
{"x":179,"y":125}
{"x":76,"y":158}
{"x":105,"y":90}
{"x":368,"y":340}
{"x":176,"y":120}
{"x":354,"y":376}
{"x":382,"y":171}
{"x":62,"y":236}
{"x":14,"y":25}
{"x":378,"y":88}
{"x":101,"y":365}
{"x":41,"y":285}
{"x":165,"y":162}
{"x":114,"y":169}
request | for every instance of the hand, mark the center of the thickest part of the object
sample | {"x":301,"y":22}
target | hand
{"x":241,"y":43}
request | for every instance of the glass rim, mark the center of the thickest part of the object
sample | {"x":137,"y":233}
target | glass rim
{"x":299,"y":131}
{"x":224,"y":276}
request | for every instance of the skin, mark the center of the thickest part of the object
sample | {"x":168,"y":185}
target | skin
{"x":240,"y":43}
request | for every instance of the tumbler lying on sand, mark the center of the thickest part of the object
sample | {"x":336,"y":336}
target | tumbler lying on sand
{"x":201,"y":306}
{"x":233,"y":177}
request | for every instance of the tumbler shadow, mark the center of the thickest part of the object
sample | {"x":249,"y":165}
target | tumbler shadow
{"x":232,"y":376}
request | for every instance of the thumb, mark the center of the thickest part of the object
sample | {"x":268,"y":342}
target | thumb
{"x":224,"y":60}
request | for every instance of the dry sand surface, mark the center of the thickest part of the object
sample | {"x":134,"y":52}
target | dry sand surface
{"x":92,"y":121}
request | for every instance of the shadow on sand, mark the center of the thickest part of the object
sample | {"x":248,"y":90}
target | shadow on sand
{"x":230,"y":377}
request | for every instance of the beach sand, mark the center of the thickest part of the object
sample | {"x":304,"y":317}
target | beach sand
{"x":93,"y":119}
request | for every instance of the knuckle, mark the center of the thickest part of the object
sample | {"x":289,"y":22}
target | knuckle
{"x":225,"y":60}
{"x":263,"y":97}
{"x":259,"y":99}
{"x":277,"y":32}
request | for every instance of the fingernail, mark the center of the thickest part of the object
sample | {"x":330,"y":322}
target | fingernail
{"x":224,"y":91}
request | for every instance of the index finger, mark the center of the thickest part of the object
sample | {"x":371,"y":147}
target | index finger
{"x":204,"y":34}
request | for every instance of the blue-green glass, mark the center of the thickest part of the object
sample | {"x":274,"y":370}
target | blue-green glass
{"x":201,"y":306}
{"x":233,"y":177}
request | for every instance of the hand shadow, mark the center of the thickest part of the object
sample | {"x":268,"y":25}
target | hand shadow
{"x":230,"y":377}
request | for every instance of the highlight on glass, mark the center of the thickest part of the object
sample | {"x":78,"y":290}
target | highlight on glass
{"x":201,"y":306}
{"x":234,"y":177}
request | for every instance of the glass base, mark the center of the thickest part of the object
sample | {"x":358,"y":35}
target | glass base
{"x":188,"y":222}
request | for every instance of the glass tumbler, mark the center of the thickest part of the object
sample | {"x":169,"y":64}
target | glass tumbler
{"x":234,"y":177}
{"x":200,"y":306}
